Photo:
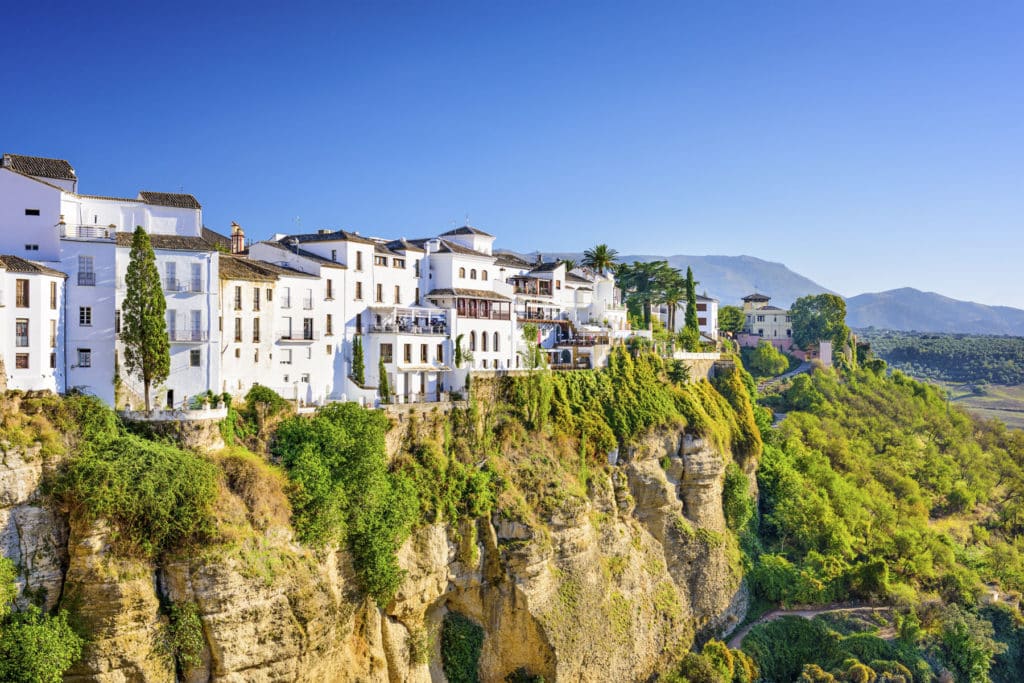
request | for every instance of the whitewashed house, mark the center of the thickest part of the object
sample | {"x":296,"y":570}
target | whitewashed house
{"x":707,"y":316}
{"x":31,"y":312}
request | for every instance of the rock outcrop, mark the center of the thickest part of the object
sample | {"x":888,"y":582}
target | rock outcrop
{"x":612,"y":586}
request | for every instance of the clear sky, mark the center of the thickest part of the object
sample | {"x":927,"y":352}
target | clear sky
{"x":867,"y":145}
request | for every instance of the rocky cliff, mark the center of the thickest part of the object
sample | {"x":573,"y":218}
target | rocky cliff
{"x":607,"y":580}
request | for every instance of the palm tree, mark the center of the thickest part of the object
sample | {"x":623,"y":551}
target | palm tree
{"x":601,"y":258}
{"x":570,"y":264}
{"x":673,"y":291}
{"x":644,"y":284}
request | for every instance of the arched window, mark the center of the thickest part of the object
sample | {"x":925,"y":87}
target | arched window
{"x":483,"y":274}
{"x":462,"y":272}
{"x":472,"y":274}
{"x":483,"y":341}
{"x":472,"y":341}
{"x":496,"y":342}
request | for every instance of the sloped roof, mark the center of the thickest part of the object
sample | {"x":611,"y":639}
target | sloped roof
{"x":16,"y":264}
{"x":705,"y":297}
{"x":548,"y":267}
{"x":216,"y":239}
{"x":335,"y":236}
{"x":57,"y":169}
{"x":505,"y":258}
{"x":172,"y":242}
{"x":306,"y":254}
{"x":469,"y":293}
{"x":237,"y":268}
{"x":403,"y":244}
{"x":467,"y":230}
{"x":573,"y":277}
{"x":447,"y":247}
{"x":756,"y":297}
{"x":173,"y":199}
{"x":775,"y":309}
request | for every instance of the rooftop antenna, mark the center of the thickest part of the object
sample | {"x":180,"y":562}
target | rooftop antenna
{"x":467,"y":220}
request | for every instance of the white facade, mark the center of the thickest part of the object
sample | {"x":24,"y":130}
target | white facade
{"x":707,"y":316}
{"x":31,"y":312}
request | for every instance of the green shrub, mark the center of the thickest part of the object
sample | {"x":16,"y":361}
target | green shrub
{"x":737,"y":503}
{"x":185,"y":634}
{"x":34,"y":647}
{"x":461,"y":643}
{"x":158,"y":497}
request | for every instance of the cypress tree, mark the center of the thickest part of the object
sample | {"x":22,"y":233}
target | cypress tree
{"x":691,"y":302}
{"x":358,"y":363}
{"x":383,"y":386}
{"x":147,"y":350}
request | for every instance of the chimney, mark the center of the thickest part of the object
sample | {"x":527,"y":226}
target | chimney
{"x":540,"y":258}
{"x":237,"y":238}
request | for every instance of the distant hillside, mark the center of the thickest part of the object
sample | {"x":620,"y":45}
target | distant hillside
{"x":912,"y":309}
{"x":730,"y":278}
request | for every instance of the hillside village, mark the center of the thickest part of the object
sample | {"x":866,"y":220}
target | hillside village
{"x":294,"y":312}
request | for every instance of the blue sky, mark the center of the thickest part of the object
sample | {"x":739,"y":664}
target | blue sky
{"x":868,"y":145}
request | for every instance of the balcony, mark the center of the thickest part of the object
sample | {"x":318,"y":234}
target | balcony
{"x":88,"y":232}
{"x":172,"y":284}
{"x":188,"y":336}
{"x":87,"y":279}
{"x":399,"y":328}
{"x":298,"y":337}
{"x":535,"y":315}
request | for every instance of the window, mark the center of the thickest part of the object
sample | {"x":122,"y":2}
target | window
{"x":398,"y":294}
{"x":359,"y":291}
{"x":472,"y":274}
{"x":398,"y":262}
{"x":21,"y":332}
{"x":117,"y":322}
{"x":255,"y":298}
{"x":286,"y":297}
{"x":21,"y":361}
{"x":472,"y":340}
{"x":416,"y":267}
{"x":380,"y":293}
{"x":85,"y":358}
{"x":31,"y":247}
{"x":334,"y":254}
{"x":359,"y":260}
{"x":424,"y":355}
{"x":195,"y":357}
{"x":197,"y":277}
{"x":21,"y":293}
{"x":483,"y":341}
{"x":702,"y":321}
{"x":440,"y":353}
{"x":380,"y":260}
{"x":329,"y":325}
{"x":172,"y":323}
{"x":86,"y":274}
{"x":483,"y":274}
{"x":485,"y":363}
{"x":307,"y":301}
{"x":307,"y":328}
{"x":238,"y":297}
{"x":304,"y":377}
{"x":256,"y":330}
{"x":53,"y":333}
{"x":407,"y":353}
{"x":386,"y":353}
{"x":286,"y":358}
{"x":558,"y":284}
{"x":702,"y":307}
{"x":330,"y":290}
{"x":85,"y":316}
{"x":172,"y":277}
{"x":359,"y":323}
{"x":417,"y":301}
{"x":256,"y":356}
{"x":760,"y":318}
{"x":270,"y":294}
{"x":329,"y":349}
{"x":53,"y":361}
{"x":238,"y":353}
{"x":462,"y":272}
{"x":31,"y":212}
{"x":53,"y":296}
{"x":238,"y":329}
{"x":495,"y":341}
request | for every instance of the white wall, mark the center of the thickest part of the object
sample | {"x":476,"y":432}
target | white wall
{"x":18,"y":193}
{"x":39,"y":314}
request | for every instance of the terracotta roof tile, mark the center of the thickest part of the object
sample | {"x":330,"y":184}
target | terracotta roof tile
{"x":57,"y":169}
{"x":470,"y":293}
{"x":16,"y":264}
{"x":178,"y":201}
{"x":467,"y":230}
{"x":172,"y":242}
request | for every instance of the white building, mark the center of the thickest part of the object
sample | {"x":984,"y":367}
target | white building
{"x":43,"y":217}
{"x":31,"y":311}
{"x":707,"y":316}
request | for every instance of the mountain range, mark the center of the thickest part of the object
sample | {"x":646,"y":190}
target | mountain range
{"x":730,"y":278}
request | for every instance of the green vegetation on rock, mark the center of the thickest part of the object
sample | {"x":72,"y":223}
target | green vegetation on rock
{"x":462,"y":640}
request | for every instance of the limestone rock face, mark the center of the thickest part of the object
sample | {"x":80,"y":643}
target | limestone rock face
{"x":610,"y":587}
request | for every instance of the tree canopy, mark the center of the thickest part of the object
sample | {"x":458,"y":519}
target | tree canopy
{"x":731,"y":319}
{"x":819,"y":317}
{"x":147,"y":350}
{"x":601,"y":258}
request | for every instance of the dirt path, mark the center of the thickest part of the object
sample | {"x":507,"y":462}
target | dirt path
{"x":737,"y":638}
